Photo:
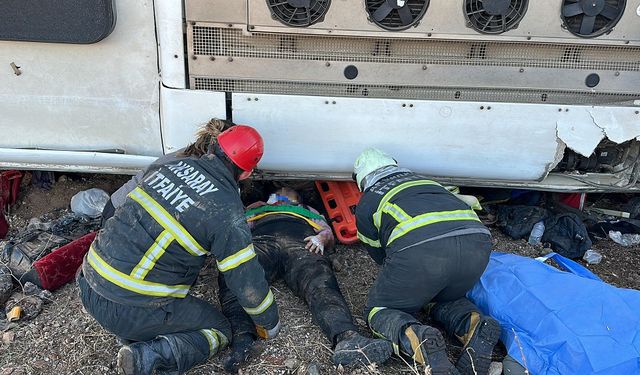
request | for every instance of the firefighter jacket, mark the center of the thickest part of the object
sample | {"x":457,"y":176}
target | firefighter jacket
{"x":404,"y":209}
{"x":151,"y":251}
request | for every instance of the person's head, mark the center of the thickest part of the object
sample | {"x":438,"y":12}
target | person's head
{"x":370,"y":160}
{"x":240,"y":147}
{"x":285,"y":195}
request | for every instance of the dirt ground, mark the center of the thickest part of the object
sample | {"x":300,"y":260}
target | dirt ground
{"x":63,"y":339}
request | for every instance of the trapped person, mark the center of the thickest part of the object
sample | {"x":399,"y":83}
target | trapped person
{"x":137,"y":274}
{"x":290,"y":239}
{"x":432,"y":248}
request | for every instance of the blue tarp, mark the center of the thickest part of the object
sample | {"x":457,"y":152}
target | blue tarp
{"x":564,"y":323}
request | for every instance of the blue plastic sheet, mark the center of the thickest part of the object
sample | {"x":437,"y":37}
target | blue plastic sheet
{"x":556,"y":322}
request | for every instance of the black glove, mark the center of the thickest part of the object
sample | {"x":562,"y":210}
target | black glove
{"x":241,"y":349}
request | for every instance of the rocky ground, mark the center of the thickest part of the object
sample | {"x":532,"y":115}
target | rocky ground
{"x":63,"y":339}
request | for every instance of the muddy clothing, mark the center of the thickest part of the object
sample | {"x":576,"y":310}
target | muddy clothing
{"x":279,"y":243}
{"x":150,"y":252}
{"x":196,"y":327}
{"x":432,"y":247}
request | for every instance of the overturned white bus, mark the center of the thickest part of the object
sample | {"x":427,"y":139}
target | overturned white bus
{"x":541,"y":94}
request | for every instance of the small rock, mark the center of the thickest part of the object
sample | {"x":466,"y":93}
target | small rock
{"x":8,"y":337}
{"x":6,"y":286}
{"x":46,"y":296}
{"x":337,"y":266}
{"x":495,"y":368}
{"x":313,"y":369}
{"x":40,"y":364}
{"x":30,"y":288}
{"x":291,"y":363}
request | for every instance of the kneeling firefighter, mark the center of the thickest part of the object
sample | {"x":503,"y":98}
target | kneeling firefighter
{"x":432,"y":248}
{"x":137,"y":274}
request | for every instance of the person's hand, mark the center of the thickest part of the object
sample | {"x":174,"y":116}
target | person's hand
{"x":256,"y":204}
{"x":314,"y":244}
{"x":242,"y":348}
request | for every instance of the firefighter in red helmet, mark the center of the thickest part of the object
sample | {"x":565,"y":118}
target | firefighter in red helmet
{"x":135,"y":279}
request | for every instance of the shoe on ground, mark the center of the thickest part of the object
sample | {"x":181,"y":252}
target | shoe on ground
{"x":143,"y":358}
{"x":359,"y":350}
{"x":476,"y":355}
{"x":426,"y":346}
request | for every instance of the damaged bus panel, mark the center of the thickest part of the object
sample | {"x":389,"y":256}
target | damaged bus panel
{"x":543,"y":95}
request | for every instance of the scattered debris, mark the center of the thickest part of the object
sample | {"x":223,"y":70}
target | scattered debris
{"x":15,"y":313}
{"x":27,"y":307}
{"x":89,"y":202}
{"x":313,"y":369}
{"x":8,"y":337}
{"x":592,"y":257}
{"x":626,"y":239}
{"x":607,"y":212}
{"x":291,"y":363}
{"x":495,"y":368}
{"x":16,"y":69}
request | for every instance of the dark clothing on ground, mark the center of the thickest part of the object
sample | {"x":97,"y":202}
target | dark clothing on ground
{"x":280,"y":246}
{"x":431,"y":245}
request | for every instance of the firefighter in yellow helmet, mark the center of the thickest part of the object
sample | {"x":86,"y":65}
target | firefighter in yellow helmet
{"x":432,"y":248}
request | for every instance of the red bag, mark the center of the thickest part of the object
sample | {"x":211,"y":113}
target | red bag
{"x":4,"y":225}
{"x":9,"y":186}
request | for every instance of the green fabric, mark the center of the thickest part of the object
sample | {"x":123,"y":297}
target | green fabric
{"x":284,"y":208}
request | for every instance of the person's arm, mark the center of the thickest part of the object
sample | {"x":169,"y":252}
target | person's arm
{"x":324,"y":238}
{"x":368,"y":233}
{"x":242,"y":327}
{"x":243,"y":274}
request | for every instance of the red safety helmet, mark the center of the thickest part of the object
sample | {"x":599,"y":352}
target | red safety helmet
{"x":243,"y":145}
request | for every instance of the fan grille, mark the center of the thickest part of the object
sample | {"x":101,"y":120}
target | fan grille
{"x":299,"y":13}
{"x":585,"y":23}
{"x":397,"y":19}
{"x":494,"y":16}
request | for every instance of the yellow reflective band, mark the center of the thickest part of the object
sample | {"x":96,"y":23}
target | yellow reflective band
{"x":373,"y":312}
{"x":217,"y":341}
{"x":309,"y":221}
{"x":129,"y":283}
{"x":396,"y":212}
{"x":237,"y":259}
{"x":430,"y":218}
{"x":377,"y":216}
{"x":368,"y":241}
{"x":262,"y":307}
{"x":152,"y":255}
{"x":167,"y":221}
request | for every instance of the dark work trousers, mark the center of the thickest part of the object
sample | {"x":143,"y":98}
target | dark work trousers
{"x":181,"y":321}
{"x":279,"y":244}
{"x":440,"y":271}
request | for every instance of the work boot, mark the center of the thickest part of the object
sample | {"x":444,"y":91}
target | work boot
{"x":482,"y":336}
{"x":425,"y":345}
{"x":142,"y":358}
{"x":353,"y":348}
